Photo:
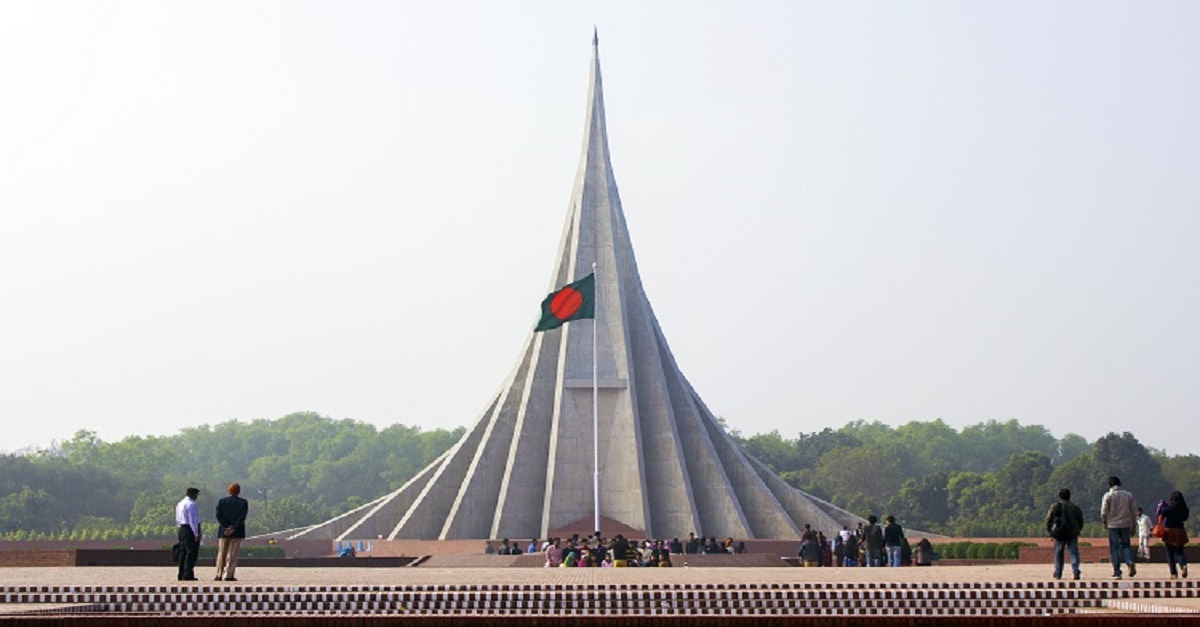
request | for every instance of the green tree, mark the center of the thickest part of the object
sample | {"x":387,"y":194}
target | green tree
{"x":1183,"y":473}
{"x":862,"y":479}
{"x":28,"y":509}
{"x":83,"y":448}
{"x":935,"y":446}
{"x":281,"y":514}
{"x":1140,"y":473}
{"x":155,"y":508}
{"x":772,"y":450}
{"x":988,"y":445}
{"x":1085,"y":478}
{"x":1070,"y":447}
{"x":1021,"y":482}
{"x":970,"y":494}
{"x":926,"y":502}
{"x":811,"y":446}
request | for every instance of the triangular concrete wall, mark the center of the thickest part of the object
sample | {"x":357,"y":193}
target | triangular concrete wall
{"x":525,"y":467}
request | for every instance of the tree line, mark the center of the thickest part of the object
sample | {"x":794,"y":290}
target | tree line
{"x":297,"y":470}
{"x":994,"y":479}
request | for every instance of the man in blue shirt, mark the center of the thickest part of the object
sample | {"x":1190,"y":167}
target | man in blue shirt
{"x":187,"y":519}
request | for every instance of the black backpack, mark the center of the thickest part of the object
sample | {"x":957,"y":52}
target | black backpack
{"x":1058,"y":526}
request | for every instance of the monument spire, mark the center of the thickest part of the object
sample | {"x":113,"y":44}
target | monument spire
{"x":524,"y":469}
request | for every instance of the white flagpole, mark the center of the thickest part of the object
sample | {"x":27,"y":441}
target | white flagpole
{"x":595,"y":406}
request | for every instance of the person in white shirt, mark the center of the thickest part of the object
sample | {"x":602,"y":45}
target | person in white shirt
{"x":1117,"y":513}
{"x":1144,"y":525}
{"x":187,"y":519}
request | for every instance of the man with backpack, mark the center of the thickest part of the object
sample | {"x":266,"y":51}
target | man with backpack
{"x":1064,"y":521}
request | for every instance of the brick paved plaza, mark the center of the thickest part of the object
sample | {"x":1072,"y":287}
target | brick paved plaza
{"x":251,"y":576}
{"x":1148,"y":595}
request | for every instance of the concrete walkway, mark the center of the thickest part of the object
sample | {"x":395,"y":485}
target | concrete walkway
{"x":151,"y":576}
{"x":162,"y":580}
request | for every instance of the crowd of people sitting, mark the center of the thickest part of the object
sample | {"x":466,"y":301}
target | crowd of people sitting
{"x":597,"y":551}
{"x":872,"y":544}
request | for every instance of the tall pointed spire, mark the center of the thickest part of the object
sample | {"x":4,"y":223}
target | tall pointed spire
{"x":524,"y":469}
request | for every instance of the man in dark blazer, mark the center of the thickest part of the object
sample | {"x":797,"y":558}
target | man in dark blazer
{"x":231,"y":521}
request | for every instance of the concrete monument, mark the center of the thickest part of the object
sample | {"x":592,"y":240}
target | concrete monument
{"x":525,"y":468}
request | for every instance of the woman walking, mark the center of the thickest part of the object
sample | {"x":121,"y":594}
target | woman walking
{"x":1174,"y":512}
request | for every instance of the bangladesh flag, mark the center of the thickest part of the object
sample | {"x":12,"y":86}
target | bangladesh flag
{"x":576,"y":301}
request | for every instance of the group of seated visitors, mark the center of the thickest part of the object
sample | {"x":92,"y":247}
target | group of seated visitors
{"x":598,"y":551}
{"x":711,"y":546}
{"x":507,"y":548}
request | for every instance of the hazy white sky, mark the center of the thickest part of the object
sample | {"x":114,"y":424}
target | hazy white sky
{"x":841,"y":210}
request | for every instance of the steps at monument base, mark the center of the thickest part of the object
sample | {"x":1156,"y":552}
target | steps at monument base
{"x":472,"y":561}
{"x":1143,"y":606}
{"x":23,"y":609}
{"x":814,"y":599}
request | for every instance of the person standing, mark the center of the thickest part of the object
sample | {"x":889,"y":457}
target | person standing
{"x":554,"y":556}
{"x":1118,"y":513}
{"x":924,"y":553}
{"x":893,"y":541}
{"x":1144,"y":525}
{"x":860,"y":541}
{"x":231,"y":518}
{"x":852,"y":551}
{"x":1064,"y":521}
{"x":1174,"y":512}
{"x":873,"y":539}
{"x":187,"y":521}
{"x":810,"y":550}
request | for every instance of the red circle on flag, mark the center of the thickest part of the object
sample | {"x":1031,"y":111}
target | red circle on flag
{"x":566,"y":303}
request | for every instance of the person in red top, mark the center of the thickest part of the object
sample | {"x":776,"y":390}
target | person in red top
{"x":1174,"y":512}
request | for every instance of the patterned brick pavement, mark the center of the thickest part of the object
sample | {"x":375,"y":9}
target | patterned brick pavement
{"x":992,"y":590}
{"x":248,"y":575}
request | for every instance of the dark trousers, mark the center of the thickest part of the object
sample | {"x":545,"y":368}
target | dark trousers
{"x":1068,"y":546}
{"x":1175,"y":556}
{"x":191,"y":550}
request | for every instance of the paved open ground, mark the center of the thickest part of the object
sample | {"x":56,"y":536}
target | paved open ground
{"x":161,"y":576}
{"x":343,"y":577}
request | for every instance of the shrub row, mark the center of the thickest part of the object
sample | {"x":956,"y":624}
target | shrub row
{"x":980,"y":550}
{"x":257,"y":550}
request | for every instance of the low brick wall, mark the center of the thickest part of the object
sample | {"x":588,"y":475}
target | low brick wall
{"x":54,"y":557}
{"x":1098,"y":553}
{"x":114,"y":557}
{"x":118,"y":557}
{"x":292,"y":548}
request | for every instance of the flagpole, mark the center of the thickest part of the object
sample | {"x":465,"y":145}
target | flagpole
{"x":595,"y":413}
